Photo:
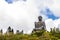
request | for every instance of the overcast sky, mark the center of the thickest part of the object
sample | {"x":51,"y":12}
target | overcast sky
{"x":21,"y":14}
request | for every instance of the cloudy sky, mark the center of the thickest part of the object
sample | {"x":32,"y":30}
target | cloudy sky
{"x":21,"y":14}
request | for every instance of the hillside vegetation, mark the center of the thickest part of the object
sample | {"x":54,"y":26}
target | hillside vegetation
{"x":54,"y":34}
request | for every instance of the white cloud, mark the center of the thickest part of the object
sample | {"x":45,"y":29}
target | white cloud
{"x":18,"y":15}
{"x":52,"y":23}
{"x":49,"y":24}
{"x":22,"y":15}
{"x":53,"y":5}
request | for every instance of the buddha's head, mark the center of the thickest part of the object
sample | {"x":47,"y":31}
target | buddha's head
{"x":40,"y":18}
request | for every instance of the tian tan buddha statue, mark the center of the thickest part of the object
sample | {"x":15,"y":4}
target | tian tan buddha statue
{"x":40,"y":24}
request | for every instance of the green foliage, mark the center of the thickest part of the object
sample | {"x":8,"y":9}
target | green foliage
{"x":54,"y":34}
{"x":38,"y":33}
